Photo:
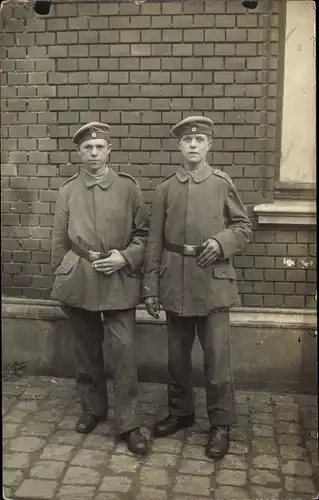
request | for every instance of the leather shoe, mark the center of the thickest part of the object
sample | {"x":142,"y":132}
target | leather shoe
{"x":136,"y":442}
{"x":87,"y":423}
{"x":172,"y":424}
{"x":218,"y":442}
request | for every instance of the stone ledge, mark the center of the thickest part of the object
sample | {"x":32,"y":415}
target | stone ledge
{"x":287,"y":213}
{"x":241,"y":316}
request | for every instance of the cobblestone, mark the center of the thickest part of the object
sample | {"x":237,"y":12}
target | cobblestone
{"x":231,"y":493}
{"x":66,"y":437}
{"x":76,"y":493}
{"x":94,"y":458}
{"x":81,"y":475}
{"x":272,"y":453}
{"x":297,"y":468}
{"x":57,"y":452}
{"x":262,"y":493}
{"x":266,"y":462}
{"x":12,"y":477}
{"x":151,"y":493}
{"x":300,"y":485}
{"x":161,"y":460}
{"x":39,"y":429}
{"x":16,"y":460}
{"x":119,"y":464}
{"x":47,"y":469}
{"x":231,"y":477}
{"x":34,"y":488}
{"x":26,"y":443}
{"x":293,"y":452}
{"x":192,"y":484}
{"x":234,"y":462}
{"x":264,"y":477}
{"x":196,"y":467}
{"x":9,"y":430}
{"x":116,"y":483}
{"x":154,"y":477}
{"x":15,"y":416}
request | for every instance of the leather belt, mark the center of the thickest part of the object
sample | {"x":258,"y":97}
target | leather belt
{"x":90,"y":254}
{"x":185,"y":250}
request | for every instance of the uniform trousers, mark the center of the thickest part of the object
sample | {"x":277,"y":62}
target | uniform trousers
{"x":213,"y":332}
{"x":88,"y":333}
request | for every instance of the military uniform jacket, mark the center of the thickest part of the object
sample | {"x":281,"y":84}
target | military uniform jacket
{"x":189,"y":209}
{"x":99,"y":215}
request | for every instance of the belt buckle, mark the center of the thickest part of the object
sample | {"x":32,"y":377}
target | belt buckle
{"x":190,"y":250}
{"x":94,"y":255}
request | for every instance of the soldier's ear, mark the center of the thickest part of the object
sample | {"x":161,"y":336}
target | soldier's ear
{"x":109,"y":147}
{"x":210,"y":141}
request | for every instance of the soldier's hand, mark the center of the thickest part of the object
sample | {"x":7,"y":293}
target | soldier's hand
{"x":113,"y":263}
{"x":212,"y":250}
{"x":153,"y":306}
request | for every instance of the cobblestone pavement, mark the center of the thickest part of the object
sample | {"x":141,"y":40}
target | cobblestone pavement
{"x":273,"y":453}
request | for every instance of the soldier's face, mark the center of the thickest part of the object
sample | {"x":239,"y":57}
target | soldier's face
{"x":194,"y":147}
{"x":94,"y":153}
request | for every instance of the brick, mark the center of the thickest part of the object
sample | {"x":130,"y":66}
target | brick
{"x":63,"y":10}
{"x":16,"y":52}
{"x":67,"y":37}
{"x":43,"y":39}
{"x":264,"y":262}
{"x":37,"y":78}
{"x":236,"y":35}
{"x":295,"y":301}
{"x":264,"y":288}
{"x":45,"y":65}
{"x":252,"y":300}
{"x":47,"y":171}
{"x":295,"y":275}
{"x":186,"y":49}
{"x":17,"y":78}
{"x":77,"y":50}
{"x":89,"y":37}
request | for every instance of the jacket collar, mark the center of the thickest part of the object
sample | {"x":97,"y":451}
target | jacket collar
{"x":104,"y":181}
{"x":198,"y":175}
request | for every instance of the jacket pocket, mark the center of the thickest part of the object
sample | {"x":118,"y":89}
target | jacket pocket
{"x":162,"y":270}
{"x":65,"y":268}
{"x":68,"y":284}
{"x":138,"y":275}
{"x":225,"y":272}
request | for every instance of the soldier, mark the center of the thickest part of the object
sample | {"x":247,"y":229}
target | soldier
{"x":198,"y":223}
{"x":98,"y":248}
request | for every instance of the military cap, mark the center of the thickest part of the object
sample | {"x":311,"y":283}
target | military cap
{"x":193,"y":125}
{"x":93,"y":130}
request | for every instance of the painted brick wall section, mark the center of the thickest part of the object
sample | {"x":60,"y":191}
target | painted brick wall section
{"x":141,"y":69}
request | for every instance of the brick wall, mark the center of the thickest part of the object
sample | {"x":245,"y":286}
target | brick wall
{"x":141,"y":68}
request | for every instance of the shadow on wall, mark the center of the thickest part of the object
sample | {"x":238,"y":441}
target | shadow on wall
{"x":262,"y":358}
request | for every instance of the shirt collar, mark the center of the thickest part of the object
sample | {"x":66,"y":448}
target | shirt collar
{"x":103,"y":181}
{"x":198,"y":175}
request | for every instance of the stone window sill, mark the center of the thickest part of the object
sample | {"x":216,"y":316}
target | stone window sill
{"x":287,"y":213}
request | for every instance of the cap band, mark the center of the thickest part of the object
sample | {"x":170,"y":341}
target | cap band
{"x":193,"y":128}
{"x":94,"y":134}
